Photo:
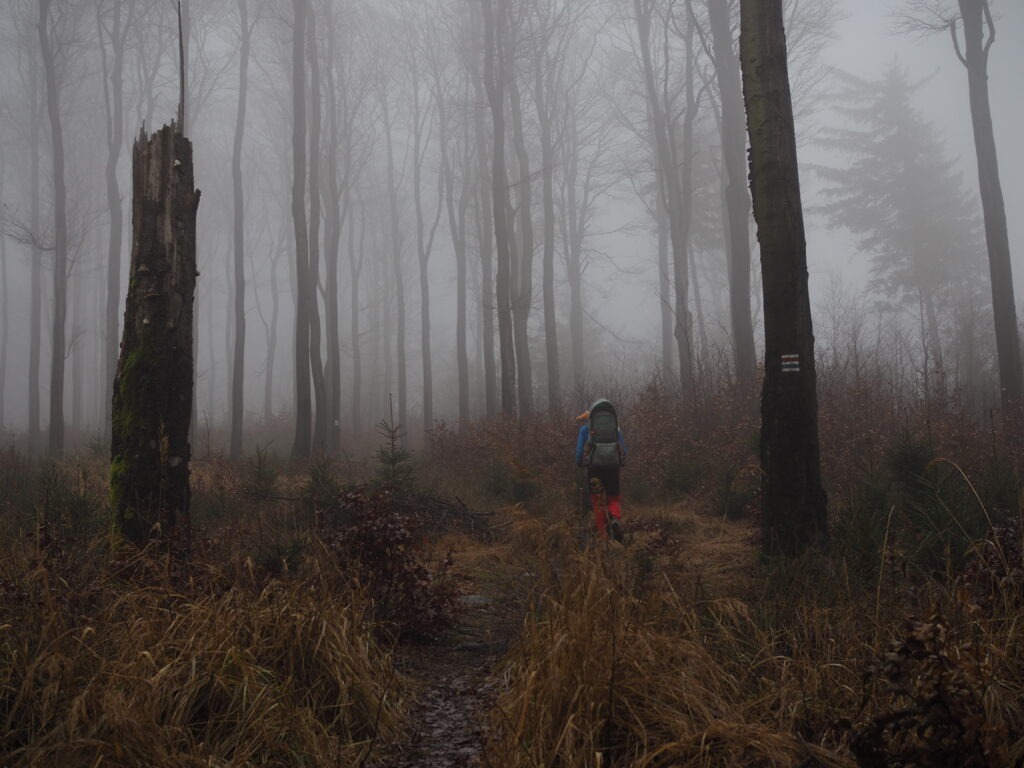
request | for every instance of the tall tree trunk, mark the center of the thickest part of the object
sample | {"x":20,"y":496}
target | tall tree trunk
{"x":682,"y":259}
{"x":571,"y":235}
{"x":36,"y":279}
{"x":113,"y":94}
{"x":457,"y":227}
{"x":669,"y":186}
{"x":545,"y":117}
{"x":4,"y":299}
{"x":668,"y":353}
{"x":975,"y":58}
{"x":238,"y":358}
{"x":76,"y":297}
{"x":320,"y":393}
{"x":303,"y":405}
{"x":485,"y":240}
{"x":793,"y":497}
{"x":495,"y":83}
{"x":55,"y":445}
{"x":356,"y":261}
{"x":737,"y":200}
{"x":396,"y":259}
{"x":523,"y":271}
{"x":152,"y":403}
{"x":336,"y":214}
{"x":425,"y":239}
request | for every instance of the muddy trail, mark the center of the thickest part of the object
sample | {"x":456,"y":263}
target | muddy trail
{"x":454,"y":688}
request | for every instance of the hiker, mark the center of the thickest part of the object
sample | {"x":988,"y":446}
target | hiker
{"x":601,"y":449}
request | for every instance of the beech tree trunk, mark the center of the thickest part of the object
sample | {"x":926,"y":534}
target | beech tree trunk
{"x":793,"y":497}
{"x":736,"y":197}
{"x":485,"y":238}
{"x":494,"y":81}
{"x":152,"y":398}
{"x":320,"y":393}
{"x":522,"y":287}
{"x":55,"y":445}
{"x":114,"y":98}
{"x":238,"y":352}
{"x":303,"y":404}
{"x":975,"y":58}
{"x":4,"y":324}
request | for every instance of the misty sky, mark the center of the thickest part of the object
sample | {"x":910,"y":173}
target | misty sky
{"x":866,"y":43}
{"x":622,"y":278}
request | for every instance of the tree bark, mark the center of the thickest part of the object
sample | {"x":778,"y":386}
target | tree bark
{"x":523,"y":271}
{"x":36,"y":279}
{"x":303,"y":405}
{"x":975,"y":57}
{"x":55,"y":445}
{"x":396,"y":257}
{"x":793,"y":497}
{"x":4,"y":324}
{"x":669,"y":184}
{"x":494,"y":81}
{"x":545,"y":117}
{"x":114,"y":101}
{"x":485,"y":238}
{"x":238,"y":358}
{"x":152,"y":398}
{"x":737,"y":199}
{"x":320,"y":394}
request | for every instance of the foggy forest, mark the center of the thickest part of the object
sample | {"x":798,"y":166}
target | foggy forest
{"x":414,"y":246}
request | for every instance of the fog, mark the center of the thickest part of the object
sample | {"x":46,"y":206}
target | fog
{"x":401,"y":168}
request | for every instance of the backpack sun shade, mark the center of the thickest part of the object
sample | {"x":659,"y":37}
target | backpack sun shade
{"x":603,"y":443}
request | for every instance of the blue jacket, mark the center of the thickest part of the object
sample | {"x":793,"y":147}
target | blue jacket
{"x":584,"y":436}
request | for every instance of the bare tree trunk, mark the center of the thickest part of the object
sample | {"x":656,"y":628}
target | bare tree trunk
{"x":668,"y":353}
{"x":424,"y":239}
{"x":303,"y":405}
{"x":36,"y":310}
{"x":485,"y":239}
{"x":336,"y":213}
{"x":975,"y":58}
{"x":55,"y":445}
{"x":457,"y":213}
{"x":238,"y":358}
{"x":495,"y":83}
{"x":794,"y":499}
{"x":315,"y":207}
{"x":737,"y":200}
{"x":572,"y":237}
{"x":545,"y":117}
{"x":4,"y":299}
{"x":682,"y":259}
{"x":522,"y":283}
{"x":670,"y":187}
{"x":114,"y":100}
{"x":356,"y":261}
{"x":396,"y":258}
{"x":149,"y":451}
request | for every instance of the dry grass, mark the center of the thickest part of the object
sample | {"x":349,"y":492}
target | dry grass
{"x":705,"y":656}
{"x":113,"y":674}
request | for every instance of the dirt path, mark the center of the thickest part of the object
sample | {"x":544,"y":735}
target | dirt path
{"x":454,"y":689}
{"x":454,"y":680}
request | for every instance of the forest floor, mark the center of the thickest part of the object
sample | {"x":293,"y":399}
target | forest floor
{"x":456,"y":678}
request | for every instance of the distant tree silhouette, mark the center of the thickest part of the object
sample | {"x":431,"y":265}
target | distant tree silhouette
{"x":901,"y":197}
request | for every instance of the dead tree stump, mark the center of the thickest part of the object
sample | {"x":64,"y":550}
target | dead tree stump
{"x":152,"y":398}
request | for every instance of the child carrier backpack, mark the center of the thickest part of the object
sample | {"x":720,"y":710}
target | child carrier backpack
{"x":603,"y":443}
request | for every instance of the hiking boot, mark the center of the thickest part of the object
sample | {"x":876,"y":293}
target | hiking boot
{"x":615,"y":528}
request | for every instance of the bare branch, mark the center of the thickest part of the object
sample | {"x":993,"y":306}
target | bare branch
{"x":923,"y":17}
